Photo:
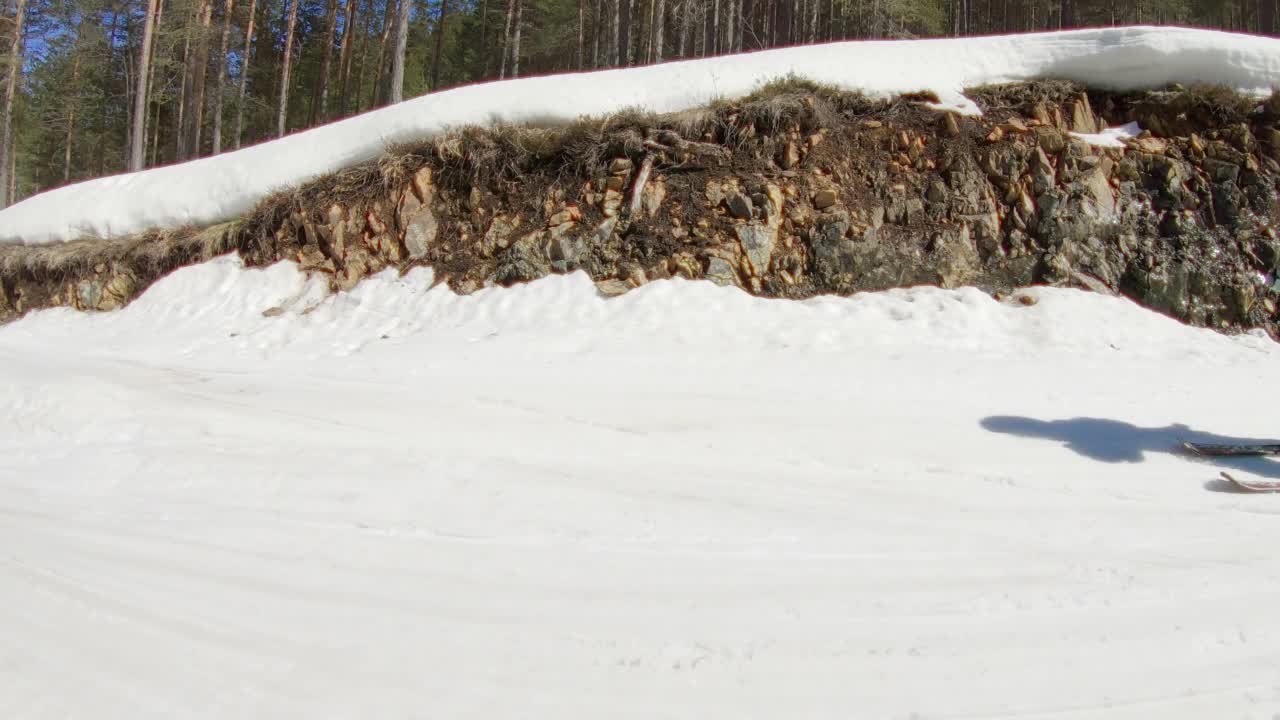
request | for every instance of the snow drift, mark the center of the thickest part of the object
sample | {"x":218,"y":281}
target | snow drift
{"x":222,"y":187}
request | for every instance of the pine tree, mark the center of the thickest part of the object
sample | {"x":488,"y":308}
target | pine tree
{"x":436,"y":56}
{"x":320,"y":97}
{"x":220,"y":86}
{"x":244,"y":73}
{"x":13,"y":70}
{"x":395,"y":91}
{"x":282,"y":110}
{"x":138,"y":132}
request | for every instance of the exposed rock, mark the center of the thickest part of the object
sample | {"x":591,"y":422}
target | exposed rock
{"x":721,"y":272}
{"x":1014,"y":125}
{"x":1181,"y":223}
{"x":958,"y":260}
{"x":1051,"y":140}
{"x":1152,"y":145}
{"x":422,"y":183}
{"x":789,"y":157}
{"x":421,"y":232}
{"x":612,"y":203}
{"x":570,"y":214}
{"x":651,"y":199}
{"x":565,"y":252}
{"x":1099,"y":189}
{"x":739,"y":205}
{"x":498,"y":235}
{"x":1082,"y":119}
{"x":757,"y":244}
{"x":950,"y":126}
{"x":824,"y":199}
{"x":527,"y":259}
{"x":612,"y":287}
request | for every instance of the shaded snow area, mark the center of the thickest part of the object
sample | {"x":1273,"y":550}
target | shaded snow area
{"x":220,"y":188}
{"x":685,"y":502}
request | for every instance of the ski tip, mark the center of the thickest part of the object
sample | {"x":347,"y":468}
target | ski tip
{"x":1256,"y":487}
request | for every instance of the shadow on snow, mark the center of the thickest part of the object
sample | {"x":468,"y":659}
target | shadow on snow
{"x":1112,"y":441}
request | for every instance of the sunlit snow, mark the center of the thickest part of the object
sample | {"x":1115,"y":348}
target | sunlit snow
{"x":219,"y":188}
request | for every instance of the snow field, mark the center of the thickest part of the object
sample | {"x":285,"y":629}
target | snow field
{"x":684,"y":502}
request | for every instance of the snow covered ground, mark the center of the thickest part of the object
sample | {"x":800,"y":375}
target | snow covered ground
{"x":220,"y":188}
{"x":684,"y":502}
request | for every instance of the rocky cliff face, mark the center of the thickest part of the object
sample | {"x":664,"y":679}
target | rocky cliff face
{"x":795,"y":192}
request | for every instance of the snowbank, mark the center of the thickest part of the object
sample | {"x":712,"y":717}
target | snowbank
{"x":219,"y":188}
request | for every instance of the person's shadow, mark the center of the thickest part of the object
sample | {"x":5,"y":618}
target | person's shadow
{"x":1112,"y":441}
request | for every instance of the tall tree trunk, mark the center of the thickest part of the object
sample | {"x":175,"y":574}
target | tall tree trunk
{"x":220,"y":87}
{"x":121,"y":60}
{"x":320,"y":97}
{"x":659,"y":28}
{"x":138,"y":133}
{"x":582,"y":20}
{"x":744,"y":25}
{"x":682,"y":39}
{"x":180,"y":137}
{"x":151,"y":88}
{"x":66,"y":145}
{"x":7,"y":153}
{"x":155,"y":137}
{"x":379,"y":77}
{"x":201,"y":77}
{"x":616,"y":33}
{"x":517,"y":24}
{"x":596,"y":30}
{"x":345,"y":53}
{"x":73,"y":98}
{"x":1267,"y":17}
{"x":282,"y":109}
{"x":731,"y":22}
{"x":196,"y":70}
{"x":364,"y":56}
{"x":444,"y":15}
{"x":484,"y":39}
{"x":244,"y":73}
{"x":714,"y":48}
{"x":647,"y":57}
{"x":703,"y":38}
{"x":624,"y":33}
{"x":395,"y":89}
{"x":506,"y":39}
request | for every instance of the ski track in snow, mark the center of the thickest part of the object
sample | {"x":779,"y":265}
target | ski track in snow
{"x":685,"y":502}
{"x":210,"y":190}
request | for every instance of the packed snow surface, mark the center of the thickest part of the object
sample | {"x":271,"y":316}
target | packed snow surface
{"x":243,"y":497}
{"x":219,"y":188}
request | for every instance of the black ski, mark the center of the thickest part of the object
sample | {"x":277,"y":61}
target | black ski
{"x":1230,"y":450}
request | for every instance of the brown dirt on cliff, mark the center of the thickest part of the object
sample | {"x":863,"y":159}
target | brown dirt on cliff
{"x":796,"y":190}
